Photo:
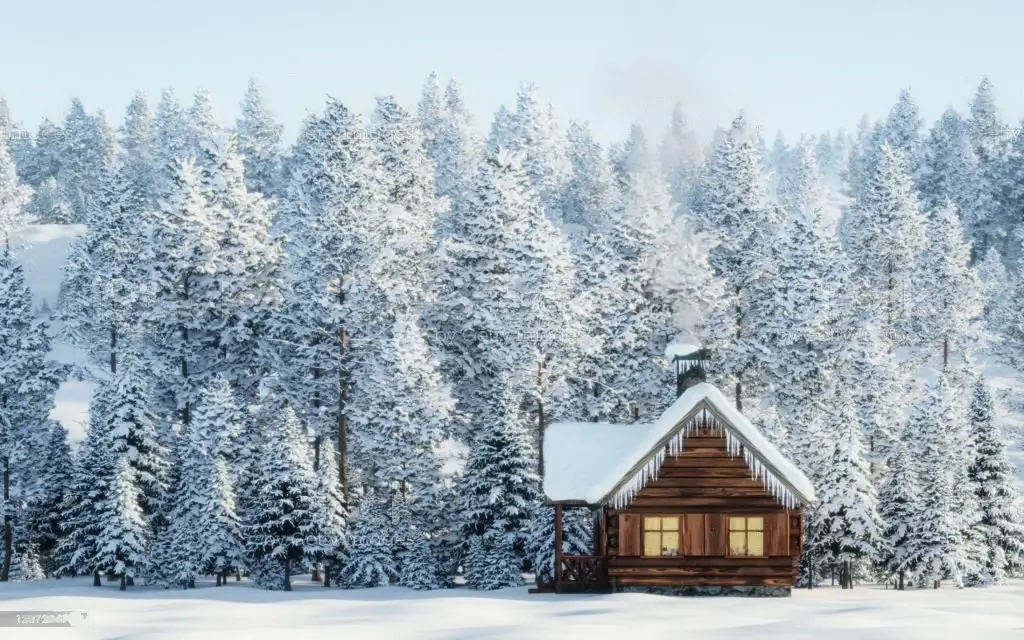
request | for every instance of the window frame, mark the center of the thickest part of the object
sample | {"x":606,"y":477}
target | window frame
{"x":746,"y":531}
{"x":661,"y":531}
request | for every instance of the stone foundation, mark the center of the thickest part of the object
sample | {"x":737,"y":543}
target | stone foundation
{"x":743,"y":592}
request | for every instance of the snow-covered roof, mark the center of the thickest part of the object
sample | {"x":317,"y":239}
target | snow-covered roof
{"x":608,"y":463}
{"x":679,"y":349}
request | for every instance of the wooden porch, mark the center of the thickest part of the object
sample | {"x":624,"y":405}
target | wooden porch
{"x":576,"y":573}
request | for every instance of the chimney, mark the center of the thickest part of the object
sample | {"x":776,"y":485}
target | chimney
{"x":690,"y":362}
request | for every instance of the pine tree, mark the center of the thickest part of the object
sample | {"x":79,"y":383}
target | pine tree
{"x":122,"y":539}
{"x":371,"y":561}
{"x":28,"y":381}
{"x":88,"y":491}
{"x":992,"y":222}
{"x":899,"y":502}
{"x":458,"y":151}
{"x":949,"y":168}
{"x":730,"y":207}
{"x":886,"y":233}
{"x":13,"y":197}
{"x":992,"y":476}
{"x":259,"y":141}
{"x":939,"y":543}
{"x":330,"y":515}
{"x":88,"y":145}
{"x":951,"y":302}
{"x":49,"y":518}
{"x":500,"y":491}
{"x":903,"y":132}
{"x":680,"y":157}
{"x":133,"y":436}
{"x":534,"y":135}
{"x":849,"y":515}
{"x":431,"y":115}
{"x":280,"y":523}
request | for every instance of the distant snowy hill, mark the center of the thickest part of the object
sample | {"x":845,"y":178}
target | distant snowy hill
{"x":42,"y":250}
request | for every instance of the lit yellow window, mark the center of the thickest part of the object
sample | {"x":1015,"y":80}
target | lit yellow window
{"x":661,"y":536}
{"x":746,"y":536}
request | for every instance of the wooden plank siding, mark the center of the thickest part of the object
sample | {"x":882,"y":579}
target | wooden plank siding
{"x":703,"y":486}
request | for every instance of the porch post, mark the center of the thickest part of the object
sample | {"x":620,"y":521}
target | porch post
{"x":558,"y":544}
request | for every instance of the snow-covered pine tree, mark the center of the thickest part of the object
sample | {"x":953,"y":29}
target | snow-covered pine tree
{"x":992,"y":474}
{"x":330,"y":515}
{"x":535,"y":136}
{"x":459,"y":151}
{"x":730,"y":206}
{"x":122,"y":539}
{"x":995,"y":288}
{"x":680,"y":155}
{"x":431,"y":114}
{"x":203,"y":536}
{"x":259,"y":143}
{"x":88,"y":491}
{"x":371,"y":558}
{"x":400,"y":412}
{"x":992,"y":220}
{"x":903,"y":132}
{"x":950,"y":298}
{"x":505,"y":295}
{"x":105,"y":288}
{"x":899,"y":504}
{"x":849,"y":517}
{"x":48,"y":509}
{"x":329,"y":195}
{"x":500,"y":491}
{"x":500,"y":132}
{"x":886,"y":233}
{"x":88,"y":145}
{"x":28,"y":381}
{"x":133,"y":436}
{"x":280,"y":527}
{"x":220,"y":420}
{"x":947,"y":171}
{"x":939,"y":541}
{"x":415,"y":562}
{"x":170,"y":137}
{"x":13,"y":197}
{"x":136,"y":143}
{"x":641,"y":321}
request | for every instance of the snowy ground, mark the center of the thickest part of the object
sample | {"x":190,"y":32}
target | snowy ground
{"x":396,"y":614}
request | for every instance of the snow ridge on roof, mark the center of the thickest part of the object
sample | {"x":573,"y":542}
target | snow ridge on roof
{"x":606,"y":463}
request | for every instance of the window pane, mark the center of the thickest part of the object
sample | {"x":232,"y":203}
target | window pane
{"x":755,"y":543}
{"x":737,"y":524}
{"x":670,"y":524}
{"x":670,"y":544}
{"x":652,"y":523}
{"x":652,"y":544}
{"x":755,"y":524}
{"x":737,"y":543}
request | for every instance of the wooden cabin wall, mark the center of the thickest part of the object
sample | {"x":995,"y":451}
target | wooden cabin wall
{"x":703,"y":485}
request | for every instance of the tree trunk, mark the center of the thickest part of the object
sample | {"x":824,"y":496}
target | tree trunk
{"x":113,"y":349}
{"x":5,"y":569}
{"x":945,"y":354}
{"x":238,"y":575}
{"x":316,"y":573}
{"x":327,"y":574}
{"x":217,"y":584}
{"x":287,"y":574}
{"x":124,"y":582}
{"x":899,"y":583}
{"x":540,"y":419}
{"x":342,"y":401}
{"x":131,"y":581}
{"x":96,"y":579}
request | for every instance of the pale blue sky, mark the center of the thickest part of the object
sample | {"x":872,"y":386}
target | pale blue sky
{"x":798,"y":65}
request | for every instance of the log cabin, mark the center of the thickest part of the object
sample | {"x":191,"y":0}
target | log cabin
{"x":698,"y":502}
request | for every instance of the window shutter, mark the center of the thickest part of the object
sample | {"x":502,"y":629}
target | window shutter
{"x":716,"y":542}
{"x":776,"y":533}
{"x":693,"y":534}
{"x":630,"y":534}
